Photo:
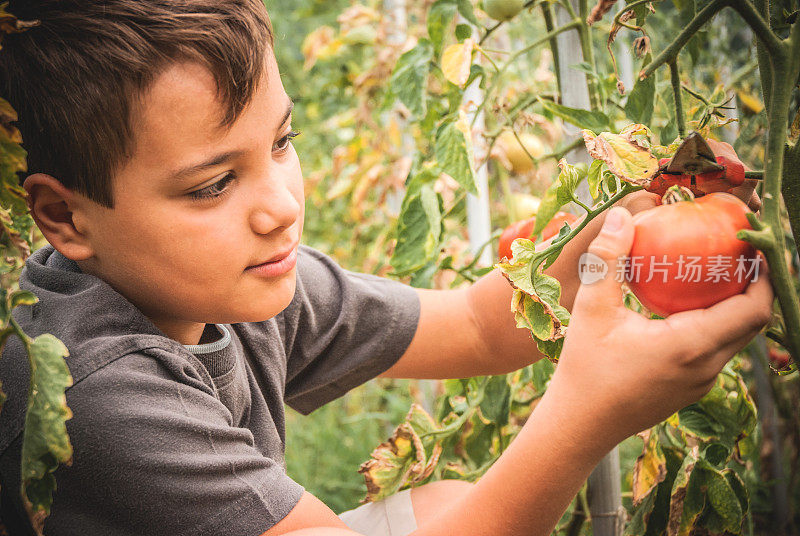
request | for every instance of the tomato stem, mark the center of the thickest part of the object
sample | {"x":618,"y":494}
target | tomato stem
{"x":762,"y":240}
{"x":677,"y":193}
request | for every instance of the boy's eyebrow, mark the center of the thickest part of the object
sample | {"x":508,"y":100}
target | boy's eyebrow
{"x":222,"y":157}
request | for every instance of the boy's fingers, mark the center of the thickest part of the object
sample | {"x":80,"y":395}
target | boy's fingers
{"x":746,"y":192}
{"x":601,"y":288}
{"x":639,"y":201}
{"x":729,"y":320}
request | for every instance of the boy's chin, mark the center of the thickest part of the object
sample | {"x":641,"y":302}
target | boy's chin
{"x":275,"y":304}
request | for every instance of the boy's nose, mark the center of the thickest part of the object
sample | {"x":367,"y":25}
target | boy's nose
{"x":274,"y":208}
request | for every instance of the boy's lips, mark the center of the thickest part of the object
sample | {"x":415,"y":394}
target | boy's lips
{"x":279,"y":257}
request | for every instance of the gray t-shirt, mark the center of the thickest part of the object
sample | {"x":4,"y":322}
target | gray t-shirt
{"x":175,"y":439}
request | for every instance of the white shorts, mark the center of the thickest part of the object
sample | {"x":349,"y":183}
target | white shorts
{"x":393,"y":516}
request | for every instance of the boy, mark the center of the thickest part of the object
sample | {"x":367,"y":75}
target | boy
{"x":164,"y":179}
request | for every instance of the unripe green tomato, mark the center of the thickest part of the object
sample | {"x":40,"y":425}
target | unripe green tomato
{"x":503,"y":9}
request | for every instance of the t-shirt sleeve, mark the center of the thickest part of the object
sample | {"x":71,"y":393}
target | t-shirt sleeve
{"x":155,"y":452}
{"x":342,"y":329}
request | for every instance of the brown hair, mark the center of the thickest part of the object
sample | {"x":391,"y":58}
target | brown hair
{"x":77,"y":79}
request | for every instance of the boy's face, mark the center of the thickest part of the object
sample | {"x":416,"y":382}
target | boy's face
{"x":182,"y":261}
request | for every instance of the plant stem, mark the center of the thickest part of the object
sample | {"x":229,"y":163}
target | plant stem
{"x":675,"y":78}
{"x":549,"y":24}
{"x":580,"y":203}
{"x":575,"y":23}
{"x":760,"y":27}
{"x":790,"y":187}
{"x":588,"y":55}
{"x":783,"y":67}
{"x":627,"y":188}
{"x":764,"y":64}
{"x":671,"y":52}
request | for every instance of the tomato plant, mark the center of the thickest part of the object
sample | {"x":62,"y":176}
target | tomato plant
{"x":685,"y":254}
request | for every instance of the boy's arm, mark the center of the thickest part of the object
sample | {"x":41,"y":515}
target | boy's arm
{"x":472,"y":332}
{"x":619,"y":373}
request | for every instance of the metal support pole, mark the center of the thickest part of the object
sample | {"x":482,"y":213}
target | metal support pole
{"x":604,"y":484}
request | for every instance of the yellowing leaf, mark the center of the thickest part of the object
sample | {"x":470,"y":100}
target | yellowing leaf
{"x":650,"y":468}
{"x":320,"y":44}
{"x":625,"y":157}
{"x":404,"y":458}
{"x":536,"y":298}
{"x":686,"y":498}
{"x":45,"y":443}
{"x":357,"y":16}
{"x":749,"y":102}
{"x":457,"y":60}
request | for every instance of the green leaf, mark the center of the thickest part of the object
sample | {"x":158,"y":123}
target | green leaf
{"x":463,"y":31}
{"x":477,"y":440}
{"x":409,"y":79}
{"x":669,"y":131}
{"x":441,"y":15}
{"x":717,"y":454}
{"x":45,"y":443}
{"x":722,"y":498}
{"x":641,"y":100}
{"x":638,"y":523}
{"x":594,"y":177}
{"x":584,"y":67}
{"x":466,"y":10}
{"x":419,"y":227}
{"x":738,"y":487}
{"x":439,"y":18}
{"x":423,"y":278}
{"x":725,"y":414}
{"x":454,"y":152}
{"x":592,"y":120}
{"x":408,"y":457}
{"x":497,"y":400}
{"x":686,"y":498}
{"x":22,"y":297}
{"x":558,"y":194}
{"x":551,"y":349}
{"x":696,"y":422}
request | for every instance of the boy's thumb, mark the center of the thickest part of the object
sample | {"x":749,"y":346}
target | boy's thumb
{"x":602,"y":267}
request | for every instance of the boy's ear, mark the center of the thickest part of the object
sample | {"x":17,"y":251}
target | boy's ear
{"x":58,"y":213}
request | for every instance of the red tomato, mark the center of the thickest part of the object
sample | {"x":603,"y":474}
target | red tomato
{"x":523,"y":229}
{"x":685,"y":255}
{"x":778,"y":358}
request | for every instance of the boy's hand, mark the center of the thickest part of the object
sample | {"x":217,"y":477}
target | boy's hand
{"x":633,"y":373}
{"x":643,"y":200}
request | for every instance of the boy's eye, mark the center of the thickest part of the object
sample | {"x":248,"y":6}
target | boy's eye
{"x":283,"y":143}
{"x":217,"y":189}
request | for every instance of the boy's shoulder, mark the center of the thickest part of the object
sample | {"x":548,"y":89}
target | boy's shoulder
{"x":337,"y":318}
